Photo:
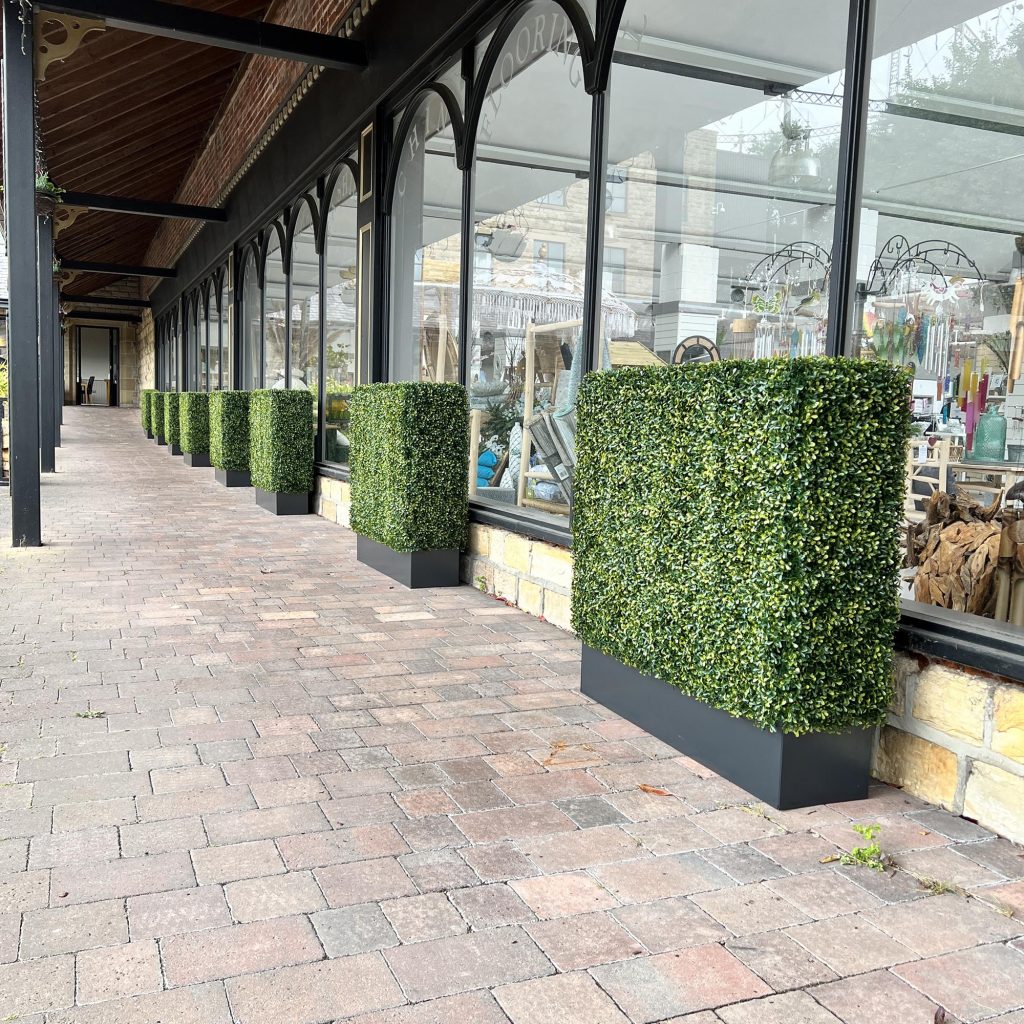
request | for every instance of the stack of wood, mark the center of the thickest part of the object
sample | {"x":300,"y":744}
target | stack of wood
{"x":969,"y":557}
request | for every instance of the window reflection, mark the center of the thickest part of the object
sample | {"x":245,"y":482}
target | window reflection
{"x":305,"y":304}
{"x":274,"y":315}
{"x":251,"y":320}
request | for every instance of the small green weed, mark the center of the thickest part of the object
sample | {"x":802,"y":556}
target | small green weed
{"x":869,"y":856}
{"x":90,"y":714}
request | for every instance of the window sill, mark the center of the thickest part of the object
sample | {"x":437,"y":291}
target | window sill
{"x":537,"y":526}
{"x":331,"y":470}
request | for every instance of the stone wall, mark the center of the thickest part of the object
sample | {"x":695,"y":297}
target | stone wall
{"x":956,"y":738}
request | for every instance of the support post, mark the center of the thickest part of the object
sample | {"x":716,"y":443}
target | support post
{"x":23,"y":319}
{"x":47,"y":355}
{"x":58,"y":364}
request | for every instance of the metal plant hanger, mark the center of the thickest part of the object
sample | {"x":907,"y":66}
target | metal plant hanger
{"x":935,"y":256}
{"x":784,"y":262}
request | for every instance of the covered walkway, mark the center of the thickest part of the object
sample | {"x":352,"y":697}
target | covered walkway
{"x":248,"y":780}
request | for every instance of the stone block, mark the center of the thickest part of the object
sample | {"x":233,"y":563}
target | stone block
{"x":552,"y":564}
{"x":506,"y":585}
{"x":904,"y":673}
{"x":995,"y":799}
{"x":558,"y":609}
{"x":952,"y":701}
{"x":480,"y":540}
{"x":517,"y":553}
{"x":327,"y":509}
{"x":922,"y":768}
{"x":531,"y":597}
{"x":1008,"y":723}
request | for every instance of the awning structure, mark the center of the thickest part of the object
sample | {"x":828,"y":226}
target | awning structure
{"x":113,"y":101}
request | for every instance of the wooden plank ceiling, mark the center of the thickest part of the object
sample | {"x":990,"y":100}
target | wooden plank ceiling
{"x":125,"y":115}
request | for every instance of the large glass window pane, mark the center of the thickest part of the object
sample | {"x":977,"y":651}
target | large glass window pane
{"x":251,"y":320}
{"x":531,"y":188}
{"x":939,"y":272}
{"x":203,"y":341}
{"x":426,"y":228}
{"x":226,"y":381}
{"x":213,"y":337}
{"x":719,"y":199}
{"x":305,"y":303}
{"x":341,"y":275}
{"x":275,"y":315}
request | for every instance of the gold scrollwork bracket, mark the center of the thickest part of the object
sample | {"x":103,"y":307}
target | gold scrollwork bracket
{"x":51,"y":50}
{"x":65,"y":216}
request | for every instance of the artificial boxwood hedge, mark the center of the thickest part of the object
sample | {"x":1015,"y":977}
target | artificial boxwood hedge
{"x":736,"y":532}
{"x":229,"y":430}
{"x":194,"y":417}
{"x":172,"y":418}
{"x":410,"y":450}
{"x":145,"y":403}
{"x":281,"y":428}
{"x":156,"y":414}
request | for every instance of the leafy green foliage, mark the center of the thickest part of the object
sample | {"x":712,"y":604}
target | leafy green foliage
{"x":229,"y":430}
{"x":145,"y":404}
{"x":410,"y":450}
{"x":156,"y":414}
{"x":869,"y":856}
{"x":194,"y":413}
{"x":4,"y":380}
{"x":172,"y":417}
{"x":736,"y":532}
{"x":281,"y":440}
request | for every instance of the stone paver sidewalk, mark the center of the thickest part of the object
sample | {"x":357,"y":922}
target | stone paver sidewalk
{"x":247,"y":780}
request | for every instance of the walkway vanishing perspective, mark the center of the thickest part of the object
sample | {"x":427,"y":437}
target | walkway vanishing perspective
{"x":248,"y":780}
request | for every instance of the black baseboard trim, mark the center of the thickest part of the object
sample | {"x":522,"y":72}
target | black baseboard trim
{"x":784,"y":771}
{"x":284,"y":503}
{"x":233,"y":477}
{"x":197,"y":460}
{"x":417,"y":570}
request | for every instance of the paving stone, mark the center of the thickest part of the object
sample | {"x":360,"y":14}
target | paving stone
{"x":151,"y":837}
{"x":434,"y":833}
{"x":444,"y":967}
{"x":362,"y":882}
{"x":743,"y":863}
{"x":824,"y":894}
{"x":118,"y":972}
{"x":199,"y":957}
{"x":237,"y":861}
{"x":205,"y":1004}
{"x":497,"y":862}
{"x":948,"y":866}
{"x":797,"y":851}
{"x":491,"y":906}
{"x":971,"y":984}
{"x":91,"y":813}
{"x":582,"y":849}
{"x":341,"y":847}
{"x":257,"y":899}
{"x":576,"y":943}
{"x":248,"y":826}
{"x":130,"y":877}
{"x":418,"y":918}
{"x":849,"y":945}
{"x":187,"y":779}
{"x":564,"y":895}
{"x":789,"y":1008}
{"x":658,"y":877}
{"x":671,"y":984}
{"x":998,"y":854}
{"x":10,"y":933}
{"x":780,"y":961}
{"x":25,"y":890}
{"x":876,"y":998}
{"x":558,"y":999}
{"x":670,"y":924}
{"x":471,"y":1008}
{"x":176,"y":913}
{"x":66,"y":848}
{"x":349,"y":930}
{"x":746,"y":909}
{"x":438,"y":870}
{"x":314,"y":993}
{"x":35,"y":986}
{"x":513,"y":823}
{"x":70,"y":929}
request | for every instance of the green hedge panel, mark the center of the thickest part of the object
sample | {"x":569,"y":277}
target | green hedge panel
{"x":145,"y":404}
{"x":281,"y":429}
{"x":194,"y":414}
{"x":172,"y":418}
{"x":156,"y":414}
{"x":736,"y":532}
{"x":229,"y":430}
{"x":408,"y":463}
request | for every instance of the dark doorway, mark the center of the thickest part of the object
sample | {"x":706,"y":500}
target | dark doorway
{"x":98,"y":361}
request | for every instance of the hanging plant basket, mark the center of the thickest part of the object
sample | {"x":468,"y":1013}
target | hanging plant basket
{"x":46,"y":203}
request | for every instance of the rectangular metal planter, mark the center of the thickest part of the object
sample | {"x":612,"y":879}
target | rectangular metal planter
{"x":416,"y":570}
{"x":160,"y":441}
{"x":784,"y":771}
{"x":233,"y":477}
{"x":175,"y":449}
{"x":149,"y":435}
{"x":198,"y":460}
{"x":284,"y":503}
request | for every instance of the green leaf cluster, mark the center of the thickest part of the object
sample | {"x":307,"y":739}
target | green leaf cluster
{"x":736,"y":532}
{"x":408,"y":465}
{"x":156,"y":414}
{"x":281,"y":430}
{"x":194,"y":413}
{"x":145,"y":405}
{"x":229,"y":430}
{"x":172,"y":417}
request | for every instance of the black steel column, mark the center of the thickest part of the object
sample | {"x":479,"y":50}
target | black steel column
{"x":47,"y":427}
{"x":23,"y":316}
{"x":594,"y":273}
{"x":846,"y":238}
{"x":58,"y":364}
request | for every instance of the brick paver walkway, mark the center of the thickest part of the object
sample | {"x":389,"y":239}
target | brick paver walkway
{"x":247,"y":780}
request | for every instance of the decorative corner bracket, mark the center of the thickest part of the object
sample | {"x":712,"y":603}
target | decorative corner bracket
{"x":65,"y":216}
{"x":54,"y":44}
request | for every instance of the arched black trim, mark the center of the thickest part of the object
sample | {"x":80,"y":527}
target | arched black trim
{"x":274,"y":227}
{"x":449,"y":99}
{"x":327,"y":203}
{"x":607,"y":34}
{"x":503,"y":32}
{"x":306,"y":199}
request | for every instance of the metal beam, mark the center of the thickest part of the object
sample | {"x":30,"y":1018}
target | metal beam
{"x":23,"y":316}
{"x":117,"y":269}
{"x":47,"y":428}
{"x":175,"y":21}
{"x":114,"y":318}
{"x":144,"y":207}
{"x":98,"y":300}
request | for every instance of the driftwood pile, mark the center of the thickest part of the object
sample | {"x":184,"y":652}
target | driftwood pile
{"x":969,"y":557}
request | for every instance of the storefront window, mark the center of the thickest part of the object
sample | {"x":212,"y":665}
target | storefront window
{"x":226,"y":366}
{"x":720,"y":190}
{"x":275,"y":312}
{"x":939,"y":276}
{"x":304,"y":337}
{"x":531,"y":188}
{"x":213,"y":335}
{"x":203,"y":339}
{"x":340,"y":314}
{"x":426,"y":232}
{"x":251,"y":322}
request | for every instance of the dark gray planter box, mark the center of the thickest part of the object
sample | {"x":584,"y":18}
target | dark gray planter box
{"x":284,"y":503}
{"x":198,"y":460}
{"x":160,"y":441}
{"x":784,"y":771}
{"x":416,"y":570}
{"x":233,"y":477}
{"x":149,"y":435}
{"x":175,"y":449}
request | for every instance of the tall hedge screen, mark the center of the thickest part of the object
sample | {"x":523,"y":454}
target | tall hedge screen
{"x":229,"y":430}
{"x":736,"y":532}
{"x":145,"y":397}
{"x":408,"y":464}
{"x":194,"y":414}
{"x":156,"y":414}
{"x":281,"y":427}
{"x":172,"y":417}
